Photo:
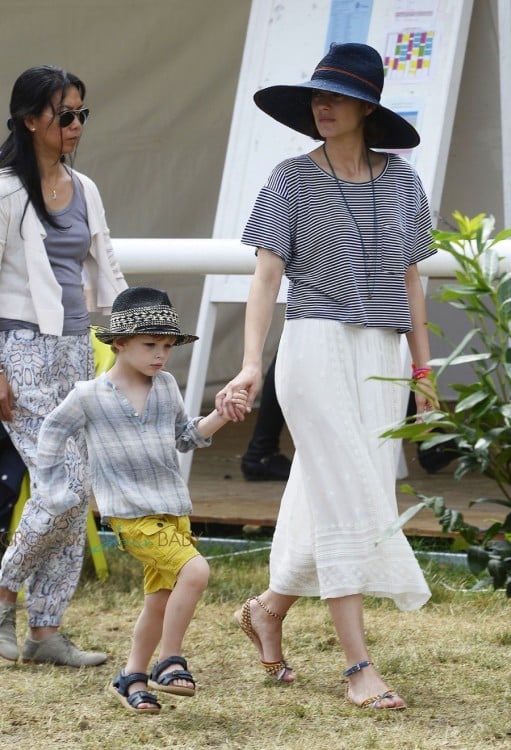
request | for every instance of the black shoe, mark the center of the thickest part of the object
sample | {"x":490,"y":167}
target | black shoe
{"x":438,"y":457}
{"x":276,"y":467}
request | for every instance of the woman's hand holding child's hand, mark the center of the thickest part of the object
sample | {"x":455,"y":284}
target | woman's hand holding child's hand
{"x":239,"y":406}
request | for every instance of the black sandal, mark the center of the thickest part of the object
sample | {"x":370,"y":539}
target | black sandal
{"x":119,"y":687}
{"x":159,"y":681}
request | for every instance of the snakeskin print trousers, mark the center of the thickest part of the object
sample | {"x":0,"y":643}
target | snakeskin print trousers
{"x":46,"y":552}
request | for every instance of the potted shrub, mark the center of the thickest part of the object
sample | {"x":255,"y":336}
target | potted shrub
{"x":479,"y":421}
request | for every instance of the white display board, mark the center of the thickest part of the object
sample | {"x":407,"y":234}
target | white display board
{"x":422,"y":43}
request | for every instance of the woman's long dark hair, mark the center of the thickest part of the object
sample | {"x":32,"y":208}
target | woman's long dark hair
{"x":32,"y":92}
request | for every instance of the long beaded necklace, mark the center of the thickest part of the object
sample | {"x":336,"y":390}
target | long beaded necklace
{"x":370,"y":263}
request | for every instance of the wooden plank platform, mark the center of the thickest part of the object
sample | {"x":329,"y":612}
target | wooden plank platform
{"x":220,"y":494}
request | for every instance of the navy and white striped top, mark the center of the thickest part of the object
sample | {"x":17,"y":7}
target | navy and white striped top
{"x":300,"y":215}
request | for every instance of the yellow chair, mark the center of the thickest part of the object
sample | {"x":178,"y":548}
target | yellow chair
{"x":103,"y":355}
{"x":103,"y":360}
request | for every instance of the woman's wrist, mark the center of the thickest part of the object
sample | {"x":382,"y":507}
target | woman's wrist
{"x":420,"y":372}
{"x":253,"y":366}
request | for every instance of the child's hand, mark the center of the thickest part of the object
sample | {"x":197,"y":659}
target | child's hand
{"x":239,"y":402}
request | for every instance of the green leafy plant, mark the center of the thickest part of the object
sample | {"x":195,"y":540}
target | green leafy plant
{"x":479,"y":421}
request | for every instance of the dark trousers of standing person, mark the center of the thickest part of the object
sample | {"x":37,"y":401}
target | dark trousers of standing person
{"x":262,"y":460}
{"x":439,"y":456}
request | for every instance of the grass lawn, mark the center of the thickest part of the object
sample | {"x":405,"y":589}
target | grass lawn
{"x":449,"y":660}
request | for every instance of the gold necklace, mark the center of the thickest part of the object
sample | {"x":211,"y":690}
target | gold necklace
{"x":52,"y":192}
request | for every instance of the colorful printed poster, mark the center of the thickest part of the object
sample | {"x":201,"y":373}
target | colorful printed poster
{"x":408,"y":54}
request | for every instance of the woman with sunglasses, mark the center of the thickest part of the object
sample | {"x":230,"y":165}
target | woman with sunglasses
{"x":56,"y":264}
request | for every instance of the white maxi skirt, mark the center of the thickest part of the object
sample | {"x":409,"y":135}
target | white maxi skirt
{"x":340,"y":497}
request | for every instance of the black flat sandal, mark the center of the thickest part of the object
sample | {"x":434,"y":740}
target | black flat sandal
{"x":165,"y":682}
{"x":119,"y":687}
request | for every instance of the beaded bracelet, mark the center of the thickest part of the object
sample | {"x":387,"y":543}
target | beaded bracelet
{"x":420,"y":372}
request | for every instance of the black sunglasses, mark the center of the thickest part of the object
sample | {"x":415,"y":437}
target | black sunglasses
{"x":67,"y":117}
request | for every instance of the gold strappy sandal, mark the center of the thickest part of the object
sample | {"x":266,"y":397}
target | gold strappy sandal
{"x":277,"y":670}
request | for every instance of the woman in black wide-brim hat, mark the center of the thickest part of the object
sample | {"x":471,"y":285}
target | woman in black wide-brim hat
{"x":347,"y":225}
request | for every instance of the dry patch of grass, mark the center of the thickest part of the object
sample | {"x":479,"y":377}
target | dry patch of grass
{"x":450,"y":660}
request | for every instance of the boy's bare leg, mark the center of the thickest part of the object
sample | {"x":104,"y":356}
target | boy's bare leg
{"x":191,"y":583}
{"x":165,"y":617}
{"x":146,"y":636}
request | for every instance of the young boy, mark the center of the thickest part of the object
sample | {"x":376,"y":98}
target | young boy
{"x":134,"y":422}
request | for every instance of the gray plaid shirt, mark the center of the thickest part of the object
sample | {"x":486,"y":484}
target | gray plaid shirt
{"x":133,"y":457}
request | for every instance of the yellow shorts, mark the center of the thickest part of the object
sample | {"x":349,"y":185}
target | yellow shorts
{"x":163,"y":543}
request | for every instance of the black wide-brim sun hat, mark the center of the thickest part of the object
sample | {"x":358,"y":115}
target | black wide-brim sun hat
{"x":351,"y":69}
{"x":142,"y":310}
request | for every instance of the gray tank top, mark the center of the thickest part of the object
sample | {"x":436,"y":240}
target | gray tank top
{"x":67,"y":249}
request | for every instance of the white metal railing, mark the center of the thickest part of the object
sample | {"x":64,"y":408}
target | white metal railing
{"x":218,"y":256}
{"x":194,"y":256}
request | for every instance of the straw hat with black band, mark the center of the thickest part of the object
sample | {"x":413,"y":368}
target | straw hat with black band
{"x":143,"y":310}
